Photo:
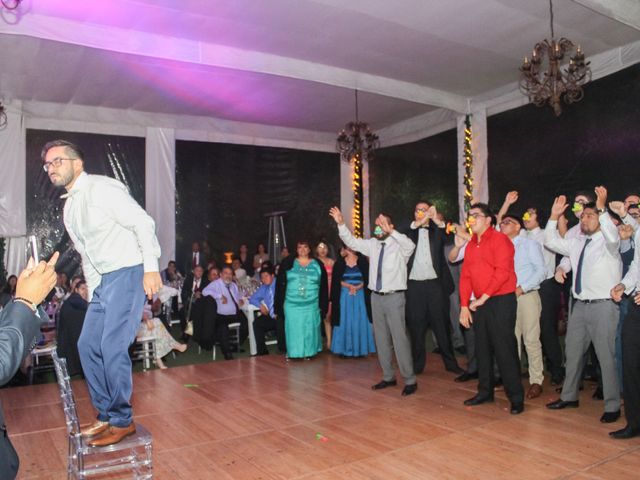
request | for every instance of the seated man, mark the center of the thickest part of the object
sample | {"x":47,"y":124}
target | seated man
{"x":228,"y":302}
{"x":192,"y":305}
{"x":266,"y":320}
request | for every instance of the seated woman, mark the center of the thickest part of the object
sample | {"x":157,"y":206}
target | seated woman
{"x":350,"y":300}
{"x":70,"y":324}
{"x":302,"y":299}
{"x":153,"y":327}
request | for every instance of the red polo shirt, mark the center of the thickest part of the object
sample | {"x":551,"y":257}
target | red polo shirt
{"x":487,"y":267}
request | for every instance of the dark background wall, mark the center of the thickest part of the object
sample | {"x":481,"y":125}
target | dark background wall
{"x":400,"y":176}
{"x":223,"y":192}
{"x":114,"y":156}
{"x":594,"y":142}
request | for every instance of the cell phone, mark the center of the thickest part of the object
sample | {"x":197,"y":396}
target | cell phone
{"x":32,"y":248}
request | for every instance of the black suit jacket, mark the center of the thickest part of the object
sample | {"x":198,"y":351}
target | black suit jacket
{"x":19,"y":332}
{"x":437,"y":239}
{"x":187,"y":288}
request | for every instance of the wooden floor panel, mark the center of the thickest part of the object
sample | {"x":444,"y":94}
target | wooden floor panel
{"x":264,"y":419}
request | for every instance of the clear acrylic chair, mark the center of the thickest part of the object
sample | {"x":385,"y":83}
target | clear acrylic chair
{"x":134,"y":453}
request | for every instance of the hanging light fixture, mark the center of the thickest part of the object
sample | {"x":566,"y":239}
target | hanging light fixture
{"x":3,"y":117}
{"x":357,"y":143}
{"x":556,"y":82}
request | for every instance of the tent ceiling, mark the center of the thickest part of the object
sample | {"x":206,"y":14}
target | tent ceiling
{"x":291,"y":63}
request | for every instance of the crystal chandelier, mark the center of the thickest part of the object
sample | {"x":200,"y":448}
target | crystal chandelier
{"x":356,"y":138}
{"x":357,"y":143}
{"x":3,"y":117}
{"x":556,"y":82}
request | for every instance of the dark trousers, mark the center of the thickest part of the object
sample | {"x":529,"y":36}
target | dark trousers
{"x":263,"y":324}
{"x":222,"y":330}
{"x":109,"y":329}
{"x":631,"y":364}
{"x":494,"y":325}
{"x":470,"y":345}
{"x":426,"y":308}
{"x":550,"y":291}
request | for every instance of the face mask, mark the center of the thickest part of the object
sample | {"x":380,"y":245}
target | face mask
{"x":577,"y":207}
{"x":378,"y":232}
{"x":471,"y":221}
{"x":526,"y":217}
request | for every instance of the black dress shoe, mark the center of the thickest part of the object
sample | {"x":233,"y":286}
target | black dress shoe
{"x":517,"y":408}
{"x":610,"y":417}
{"x":455,"y":369}
{"x":626,"y":432}
{"x":409,"y":389}
{"x":598,"y":394}
{"x":560,"y":404}
{"x":477,"y":400}
{"x":466,"y":376}
{"x":384,"y":384}
{"x":228,"y":356}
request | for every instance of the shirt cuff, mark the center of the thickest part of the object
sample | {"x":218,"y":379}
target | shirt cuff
{"x":150,"y":264}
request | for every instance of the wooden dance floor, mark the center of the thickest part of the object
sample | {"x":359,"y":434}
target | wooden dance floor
{"x":264,"y":418}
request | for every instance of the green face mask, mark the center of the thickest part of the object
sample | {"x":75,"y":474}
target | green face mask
{"x":378,"y":232}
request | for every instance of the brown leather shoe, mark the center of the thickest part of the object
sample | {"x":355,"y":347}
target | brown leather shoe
{"x":93,"y":429}
{"x":113,"y":435}
{"x":535,"y":390}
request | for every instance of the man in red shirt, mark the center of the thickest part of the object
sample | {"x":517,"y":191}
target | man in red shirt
{"x":488,"y":272}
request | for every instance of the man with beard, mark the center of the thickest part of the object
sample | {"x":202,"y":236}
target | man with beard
{"x":117,"y":242}
{"x":595,"y":261}
{"x":388,"y":252}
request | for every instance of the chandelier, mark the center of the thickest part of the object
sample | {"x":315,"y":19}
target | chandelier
{"x":356,"y":143}
{"x":3,"y":117}
{"x":556,"y":82}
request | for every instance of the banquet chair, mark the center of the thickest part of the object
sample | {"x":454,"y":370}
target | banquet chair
{"x":133,"y":453}
{"x":234,"y":337}
{"x":144,"y":348}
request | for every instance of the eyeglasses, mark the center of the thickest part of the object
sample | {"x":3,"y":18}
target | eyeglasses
{"x":507,"y":222}
{"x":476,"y":215}
{"x":56,"y":162}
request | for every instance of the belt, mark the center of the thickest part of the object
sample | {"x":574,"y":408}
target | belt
{"x":597,"y":300}
{"x":387,"y":293}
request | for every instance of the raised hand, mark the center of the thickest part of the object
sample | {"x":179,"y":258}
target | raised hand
{"x":625,"y":231}
{"x":601,"y":197}
{"x":337,"y":215}
{"x":384,"y":224}
{"x":511,"y":198}
{"x":618,"y":208}
{"x":432,"y":212}
{"x":559,"y":206}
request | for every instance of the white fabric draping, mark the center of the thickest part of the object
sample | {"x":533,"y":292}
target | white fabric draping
{"x":160,"y":186}
{"x":15,"y":254}
{"x":12,"y":166}
{"x":480,"y":159}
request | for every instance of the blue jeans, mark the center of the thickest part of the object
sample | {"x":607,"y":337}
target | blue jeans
{"x":109,"y":329}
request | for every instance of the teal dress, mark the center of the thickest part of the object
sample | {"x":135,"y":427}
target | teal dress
{"x":302,"y":311}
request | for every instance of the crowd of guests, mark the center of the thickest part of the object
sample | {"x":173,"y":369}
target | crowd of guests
{"x":501,"y":282}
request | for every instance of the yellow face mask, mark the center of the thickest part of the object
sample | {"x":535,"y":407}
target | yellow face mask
{"x":450,"y":228}
{"x":577,"y":207}
{"x":471,"y":221}
{"x":526,"y":217}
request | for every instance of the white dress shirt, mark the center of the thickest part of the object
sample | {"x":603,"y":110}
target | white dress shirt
{"x":632,"y":278}
{"x":422,"y":268}
{"x":573,"y":232}
{"x":217,"y":289}
{"x":108,"y":228}
{"x":537,"y":234}
{"x":601,"y":266}
{"x":398,"y":248}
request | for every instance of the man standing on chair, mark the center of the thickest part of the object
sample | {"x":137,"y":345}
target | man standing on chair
{"x":117,"y":242}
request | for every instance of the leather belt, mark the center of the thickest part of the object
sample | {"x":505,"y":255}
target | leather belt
{"x":597,"y":300}
{"x":387,"y":293}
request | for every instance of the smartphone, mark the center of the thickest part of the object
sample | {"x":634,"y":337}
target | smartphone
{"x":32,"y":248}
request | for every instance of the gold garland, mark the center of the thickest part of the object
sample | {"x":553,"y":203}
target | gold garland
{"x":468,"y":166}
{"x":356,"y":185}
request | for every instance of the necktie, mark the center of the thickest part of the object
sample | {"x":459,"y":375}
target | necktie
{"x":579,"y":269}
{"x":232,"y":299}
{"x":379,"y":274}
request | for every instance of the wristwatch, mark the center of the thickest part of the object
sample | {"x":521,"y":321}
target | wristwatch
{"x":601,"y":211}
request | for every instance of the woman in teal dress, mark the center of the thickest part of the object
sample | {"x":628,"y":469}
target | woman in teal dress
{"x":302,"y":298}
{"x":351,"y":304}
